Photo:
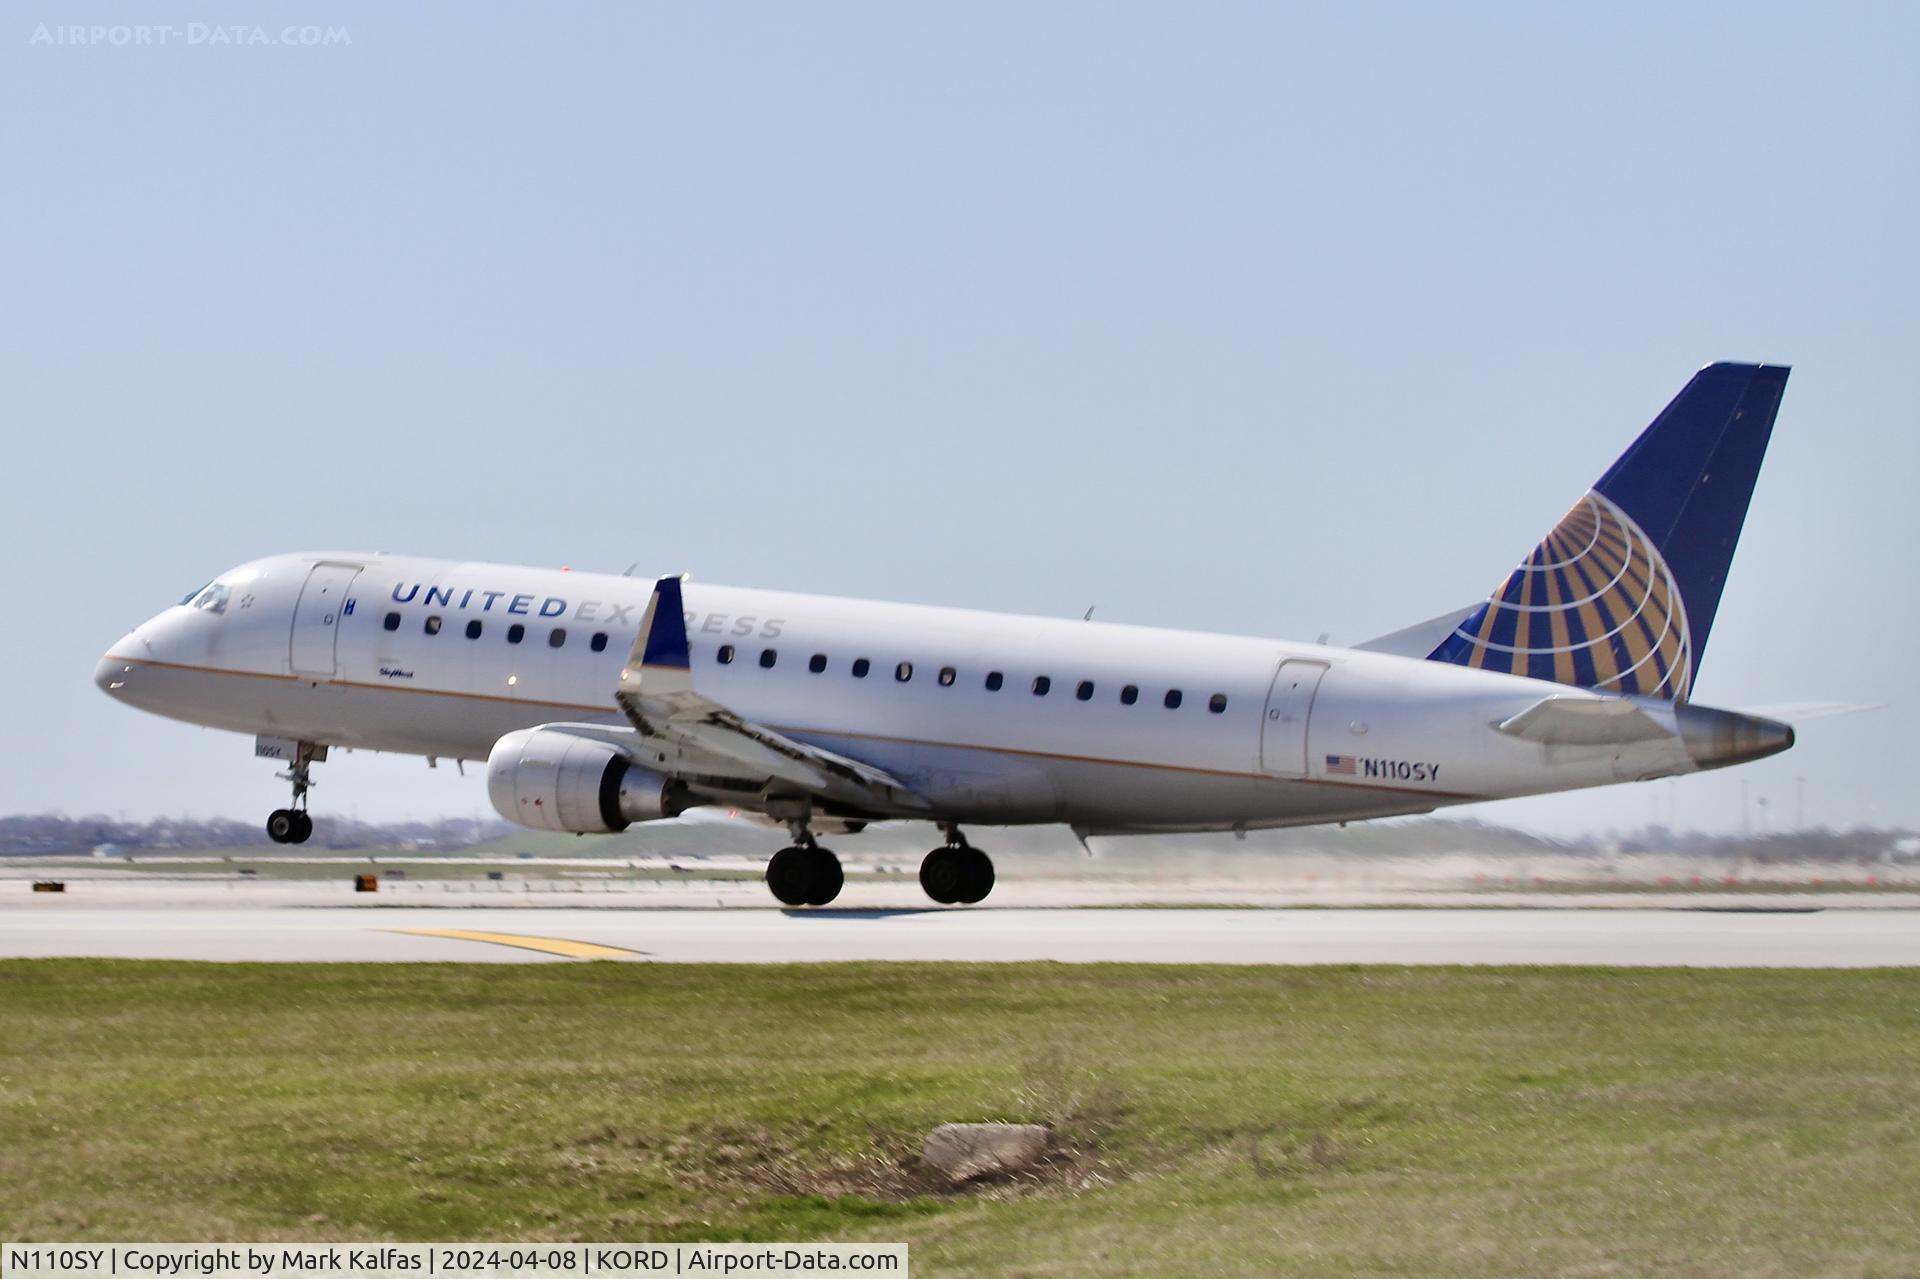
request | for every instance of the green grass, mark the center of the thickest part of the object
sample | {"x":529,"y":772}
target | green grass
{"x":1325,"y":1121}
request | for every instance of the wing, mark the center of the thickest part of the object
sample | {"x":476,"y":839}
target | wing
{"x":657,"y":696}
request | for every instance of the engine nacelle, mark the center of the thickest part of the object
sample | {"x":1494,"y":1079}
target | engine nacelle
{"x":551,"y":779}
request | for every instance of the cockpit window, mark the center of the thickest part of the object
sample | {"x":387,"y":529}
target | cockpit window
{"x":192,"y":595}
{"x":213,"y":599}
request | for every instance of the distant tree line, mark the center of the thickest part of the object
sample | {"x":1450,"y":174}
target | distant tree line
{"x":53,"y":833}
{"x":1818,"y":845}
{"x":1437,"y":836}
{"x":1402,"y":837}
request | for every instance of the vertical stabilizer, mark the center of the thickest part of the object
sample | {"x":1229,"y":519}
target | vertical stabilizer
{"x":1620,"y":595}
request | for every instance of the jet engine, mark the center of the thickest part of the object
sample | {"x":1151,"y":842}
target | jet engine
{"x":554,"y":778}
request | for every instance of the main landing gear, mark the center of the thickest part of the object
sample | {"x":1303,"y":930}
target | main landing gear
{"x":956,"y":872}
{"x":293,"y":825}
{"x":805,"y":874}
{"x":808,"y":875}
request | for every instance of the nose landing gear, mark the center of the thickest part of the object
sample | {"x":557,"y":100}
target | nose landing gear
{"x":957,"y":873}
{"x":292,"y":825}
{"x":289,"y":826}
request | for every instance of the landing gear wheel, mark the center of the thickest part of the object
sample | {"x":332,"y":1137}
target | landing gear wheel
{"x":943,"y":875}
{"x":281,"y":825}
{"x":978,"y":868}
{"x":303,"y":829}
{"x":789,"y":877}
{"x":958,"y":874}
{"x":825,"y":876}
{"x":805,"y":875}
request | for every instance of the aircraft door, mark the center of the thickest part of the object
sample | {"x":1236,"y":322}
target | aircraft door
{"x":1283,"y":729}
{"x":316,"y":618}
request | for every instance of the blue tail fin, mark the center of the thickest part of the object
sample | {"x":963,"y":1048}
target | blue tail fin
{"x":1621,"y":594}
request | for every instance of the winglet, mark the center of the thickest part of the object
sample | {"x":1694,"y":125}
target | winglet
{"x":665,"y":627}
{"x":661,"y":655}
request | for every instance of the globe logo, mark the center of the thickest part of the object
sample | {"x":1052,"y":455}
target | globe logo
{"x":1594,"y":606}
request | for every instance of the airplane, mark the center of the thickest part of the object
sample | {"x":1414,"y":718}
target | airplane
{"x":601,"y":700}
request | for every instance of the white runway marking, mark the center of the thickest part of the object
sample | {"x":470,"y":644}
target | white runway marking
{"x":1660,"y":938}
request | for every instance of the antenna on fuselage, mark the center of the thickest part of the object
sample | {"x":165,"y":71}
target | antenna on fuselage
{"x":1089,"y":616}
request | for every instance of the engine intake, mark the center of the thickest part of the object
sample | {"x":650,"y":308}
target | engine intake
{"x":552,"y":779}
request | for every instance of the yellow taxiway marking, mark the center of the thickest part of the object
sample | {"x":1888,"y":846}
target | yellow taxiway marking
{"x":549,"y":945}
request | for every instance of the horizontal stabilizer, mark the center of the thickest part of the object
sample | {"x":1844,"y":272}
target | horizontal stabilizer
{"x":1801,"y":712}
{"x":1421,"y":638}
{"x":1583,"y":721}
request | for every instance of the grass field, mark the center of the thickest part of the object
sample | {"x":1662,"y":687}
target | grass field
{"x":1323,"y":1121}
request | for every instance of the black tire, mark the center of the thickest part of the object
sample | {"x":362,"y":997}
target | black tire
{"x":825,"y":876}
{"x":281,"y":825}
{"x":303,"y":827}
{"x":977,"y":876}
{"x":790,"y":877}
{"x":943,"y":875}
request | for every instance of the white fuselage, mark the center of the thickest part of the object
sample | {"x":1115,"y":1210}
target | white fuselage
{"x":344,"y":650}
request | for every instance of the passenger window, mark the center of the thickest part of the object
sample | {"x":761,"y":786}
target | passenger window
{"x":1040,"y":685}
{"x":1130,"y":694}
{"x":433,"y":626}
{"x":947,"y":676}
{"x":817,"y":663}
{"x":1217,"y":703}
{"x":994,"y":680}
{"x":473,"y":629}
{"x":599,"y":642}
{"x":768,"y":657}
{"x":903,"y":672}
{"x":1085,"y":691}
{"x":393,"y":622}
{"x":516,"y":633}
{"x":725,"y":655}
{"x":860,"y":667}
{"x":556,"y":637}
{"x":1173,"y":699}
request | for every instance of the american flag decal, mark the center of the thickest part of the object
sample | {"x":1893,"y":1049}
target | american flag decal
{"x":1342,"y":765}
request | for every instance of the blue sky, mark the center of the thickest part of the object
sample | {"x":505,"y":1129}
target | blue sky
{"x":1275,"y":320}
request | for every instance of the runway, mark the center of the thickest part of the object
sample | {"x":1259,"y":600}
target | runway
{"x":1652,"y":938}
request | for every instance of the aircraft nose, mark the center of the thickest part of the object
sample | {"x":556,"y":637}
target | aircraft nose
{"x":112,"y":671}
{"x":110,"y":674}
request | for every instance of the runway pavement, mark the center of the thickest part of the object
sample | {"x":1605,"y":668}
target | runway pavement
{"x":50,"y":926}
